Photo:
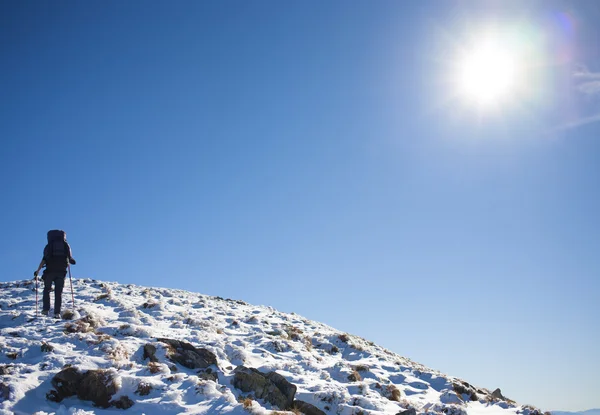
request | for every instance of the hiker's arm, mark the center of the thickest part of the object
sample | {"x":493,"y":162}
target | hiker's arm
{"x":42,"y":263}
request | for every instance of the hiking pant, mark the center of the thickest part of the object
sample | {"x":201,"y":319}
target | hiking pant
{"x":58,"y":278}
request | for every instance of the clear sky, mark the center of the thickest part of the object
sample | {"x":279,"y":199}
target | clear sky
{"x":422,"y":174}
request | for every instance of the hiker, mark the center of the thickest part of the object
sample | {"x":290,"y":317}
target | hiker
{"x":57,"y":257}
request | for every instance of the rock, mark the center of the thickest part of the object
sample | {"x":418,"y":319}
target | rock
{"x":97,"y":386}
{"x":66,"y":383}
{"x":497,"y":394}
{"x":47,"y":347}
{"x":288,"y":389}
{"x":251,"y":380}
{"x":189,"y":356}
{"x":410,"y":411}
{"x":208,"y":375}
{"x":150,"y":353}
{"x":465,"y":391}
{"x":307,"y":408}
{"x":122,"y":403}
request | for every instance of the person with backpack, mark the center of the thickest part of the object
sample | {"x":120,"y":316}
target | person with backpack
{"x":56,"y":259}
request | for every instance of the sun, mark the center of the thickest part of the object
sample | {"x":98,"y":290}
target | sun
{"x":487,"y":73}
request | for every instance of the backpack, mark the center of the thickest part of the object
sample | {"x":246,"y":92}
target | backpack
{"x":58,"y":252}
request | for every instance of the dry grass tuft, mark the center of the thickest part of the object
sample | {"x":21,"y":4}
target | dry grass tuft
{"x":154,"y":367}
{"x":354,"y":376}
{"x":143,"y":389}
{"x":247,"y":403}
{"x":103,"y":296}
{"x":392,"y":393}
{"x":83,"y":325}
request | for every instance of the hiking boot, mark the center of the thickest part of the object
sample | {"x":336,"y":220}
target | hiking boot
{"x":44,"y":312}
{"x":57,"y":315}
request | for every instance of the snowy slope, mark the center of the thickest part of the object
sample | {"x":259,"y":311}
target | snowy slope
{"x":338,"y":373}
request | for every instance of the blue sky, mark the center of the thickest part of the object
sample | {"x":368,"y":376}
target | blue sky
{"x":314,"y":156}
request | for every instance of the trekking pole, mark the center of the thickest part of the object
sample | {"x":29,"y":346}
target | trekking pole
{"x":36,"y":296}
{"x":72,"y":295}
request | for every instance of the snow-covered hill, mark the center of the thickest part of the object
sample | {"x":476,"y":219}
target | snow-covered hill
{"x":166,"y":351}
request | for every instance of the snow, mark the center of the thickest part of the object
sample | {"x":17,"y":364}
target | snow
{"x":119,"y":320}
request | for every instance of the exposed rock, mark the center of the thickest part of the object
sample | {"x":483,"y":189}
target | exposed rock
{"x":150,"y":353}
{"x":6,"y":369}
{"x":497,"y":394}
{"x":122,"y":403}
{"x":409,"y":411}
{"x":97,"y":386}
{"x":66,"y":383}
{"x":251,"y":380}
{"x":46,"y":347}
{"x":4,"y":392}
{"x":287,"y":388}
{"x":208,"y":374}
{"x":307,"y":408}
{"x":465,"y":391}
{"x":189,"y":356}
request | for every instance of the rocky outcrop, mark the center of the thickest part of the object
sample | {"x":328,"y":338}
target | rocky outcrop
{"x":410,"y":411}
{"x":497,"y":394}
{"x":271,"y":387}
{"x":465,"y":391}
{"x":187,"y":355}
{"x":97,"y":386}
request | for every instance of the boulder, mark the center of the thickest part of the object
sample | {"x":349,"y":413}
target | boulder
{"x":66,"y":383}
{"x":307,"y":408}
{"x":97,"y":386}
{"x":122,"y":403}
{"x":497,"y":394}
{"x":288,"y":389}
{"x":409,"y":411}
{"x":189,"y":356}
{"x":150,"y":353}
{"x":248,"y":379}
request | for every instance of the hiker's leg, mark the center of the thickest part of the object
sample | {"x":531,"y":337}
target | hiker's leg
{"x":59,"y":283}
{"x":46,"y":294}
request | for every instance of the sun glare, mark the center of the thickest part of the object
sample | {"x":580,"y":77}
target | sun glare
{"x":487,"y":74}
